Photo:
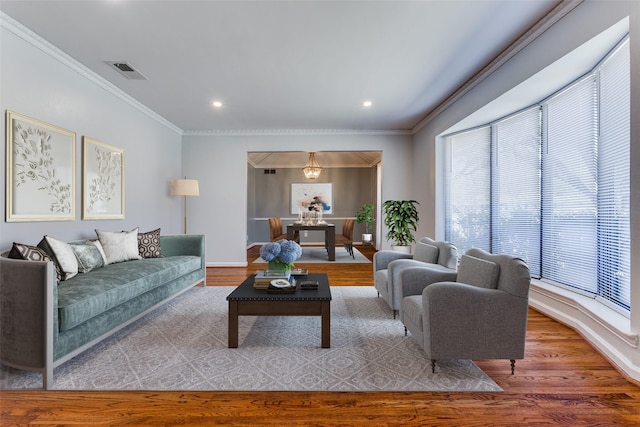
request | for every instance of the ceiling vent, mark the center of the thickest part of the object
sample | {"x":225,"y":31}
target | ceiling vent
{"x":126,"y":70}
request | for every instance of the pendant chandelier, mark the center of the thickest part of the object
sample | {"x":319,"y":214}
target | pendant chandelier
{"x":312,"y":168}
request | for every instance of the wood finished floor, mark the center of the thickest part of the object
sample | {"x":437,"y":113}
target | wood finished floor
{"x":562,"y":381}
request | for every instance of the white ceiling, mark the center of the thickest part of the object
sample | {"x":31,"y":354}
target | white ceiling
{"x":284,"y":64}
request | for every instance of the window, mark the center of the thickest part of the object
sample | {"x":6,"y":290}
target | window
{"x":570,"y":187}
{"x":614,"y":232}
{"x":551,"y":184}
{"x":468,"y":196}
{"x":515,"y":201}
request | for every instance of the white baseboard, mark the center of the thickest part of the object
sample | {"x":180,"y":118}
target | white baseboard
{"x":227,"y":264}
{"x":606,"y":330}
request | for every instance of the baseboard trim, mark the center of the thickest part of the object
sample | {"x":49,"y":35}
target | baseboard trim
{"x":607,"y":331}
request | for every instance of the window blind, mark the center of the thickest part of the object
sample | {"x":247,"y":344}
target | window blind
{"x":574,"y":151}
{"x":468,"y":184}
{"x":569,"y":187}
{"x":614,"y":232}
{"x":515,"y":181}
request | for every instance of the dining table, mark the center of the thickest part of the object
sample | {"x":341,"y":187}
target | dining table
{"x":329,"y":235}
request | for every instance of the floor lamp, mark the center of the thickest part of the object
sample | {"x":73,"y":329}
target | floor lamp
{"x":185,"y":187}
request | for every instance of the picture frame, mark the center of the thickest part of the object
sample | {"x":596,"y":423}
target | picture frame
{"x":306,"y":195}
{"x":40,"y":172}
{"x":102,"y":180}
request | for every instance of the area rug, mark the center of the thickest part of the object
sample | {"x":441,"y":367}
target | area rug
{"x":183,"y":346}
{"x":312,"y":254}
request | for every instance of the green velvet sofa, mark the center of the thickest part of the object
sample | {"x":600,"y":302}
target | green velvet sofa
{"x":44,"y":323}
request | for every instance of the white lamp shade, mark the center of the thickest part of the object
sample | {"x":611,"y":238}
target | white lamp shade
{"x":185,"y":187}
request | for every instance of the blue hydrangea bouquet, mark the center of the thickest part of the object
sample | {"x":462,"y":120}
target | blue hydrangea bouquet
{"x":281,"y":254}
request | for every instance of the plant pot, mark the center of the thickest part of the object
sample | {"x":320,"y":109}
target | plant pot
{"x":401,"y":249}
{"x":274,"y":267}
{"x":366,"y":238}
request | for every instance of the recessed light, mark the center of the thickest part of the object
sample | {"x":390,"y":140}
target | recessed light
{"x":217,"y":104}
{"x":367,"y":104}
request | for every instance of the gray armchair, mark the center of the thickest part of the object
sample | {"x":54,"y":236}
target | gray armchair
{"x":438,"y":259}
{"x":483,"y":315}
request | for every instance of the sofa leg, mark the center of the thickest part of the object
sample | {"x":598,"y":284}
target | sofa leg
{"x":405,"y":331}
{"x":395,"y":312}
{"x":513,"y":366}
{"x":47,"y":378}
{"x":433,"y":366}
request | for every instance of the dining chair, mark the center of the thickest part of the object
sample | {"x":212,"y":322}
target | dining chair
{"x":346,"y":238}
{"x":275,"y":231}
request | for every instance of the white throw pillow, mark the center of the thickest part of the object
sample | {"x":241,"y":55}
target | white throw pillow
{"x":119,"y":246}
{"x":63,"y":254}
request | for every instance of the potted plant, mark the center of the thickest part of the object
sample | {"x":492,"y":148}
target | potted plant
{"x":365,"y":216}
{"x":401,"y":219}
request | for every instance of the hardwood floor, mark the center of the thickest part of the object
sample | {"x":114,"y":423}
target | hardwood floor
{"x":561,"y":381}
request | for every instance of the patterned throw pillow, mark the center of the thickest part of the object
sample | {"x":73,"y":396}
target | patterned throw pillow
{"x":88,"y":256}
{"x":32,"y":253}
{"x":149,"y":244}
{"x":62,"y":255}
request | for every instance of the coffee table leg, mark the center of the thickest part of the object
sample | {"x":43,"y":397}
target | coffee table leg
{"x":326,"y":324}
{"x":233,"y":324}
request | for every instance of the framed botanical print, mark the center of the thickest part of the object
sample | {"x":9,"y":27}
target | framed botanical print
{"x":309,"y":196}
{"x":41,"y":164}
{"x":102,"y":180}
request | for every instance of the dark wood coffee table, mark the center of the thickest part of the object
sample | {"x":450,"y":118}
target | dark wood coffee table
{"x":247,"y":301}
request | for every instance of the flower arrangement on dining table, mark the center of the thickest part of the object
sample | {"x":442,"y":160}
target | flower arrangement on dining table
{"x":281,"y":254}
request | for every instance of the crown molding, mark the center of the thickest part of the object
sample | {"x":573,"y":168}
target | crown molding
{"x":38,"y":42}
{"x":292,"y":132}
{"x":549,"y":20}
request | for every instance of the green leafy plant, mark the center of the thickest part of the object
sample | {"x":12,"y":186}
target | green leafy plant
{"x":401,"y":219}
{"x":365,"y":216}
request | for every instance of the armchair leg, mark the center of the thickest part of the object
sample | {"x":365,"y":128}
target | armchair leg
{"x":433,"y":366}
{"x":395,"y":312}
{"x":405,"y":331}
{"x":513,"y":366}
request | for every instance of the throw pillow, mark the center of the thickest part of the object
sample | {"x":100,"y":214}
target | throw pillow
{"x":32,"y":253}
{"x":426,"y":253}
{"x":88,"y":257}
{"x":478,"y":272}
{"x":119,"y":246}
{"x":28,"y":253}
{"x":149,"y":244}
{"x":62,"y":255}
{"x":98,"y":246}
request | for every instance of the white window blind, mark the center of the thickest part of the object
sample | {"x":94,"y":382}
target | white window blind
{"x":468,"y":216}
{"x":614,"y":232}
{"x":569,"y":187}
{"x":516,"y":187}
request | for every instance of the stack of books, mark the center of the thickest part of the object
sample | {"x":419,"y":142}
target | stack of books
{"x":264,"y":277}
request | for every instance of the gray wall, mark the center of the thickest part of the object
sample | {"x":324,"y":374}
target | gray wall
{"x":219,"y":162}
{"x":41,"y":82}
{"x":351,"y":188}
